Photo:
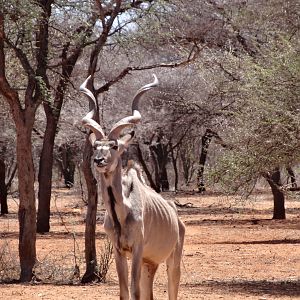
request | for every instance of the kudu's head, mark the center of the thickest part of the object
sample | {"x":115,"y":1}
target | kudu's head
{"x":108,"y":148}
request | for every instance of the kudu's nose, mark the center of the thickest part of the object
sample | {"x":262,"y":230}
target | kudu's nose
{"x":99,"y":161}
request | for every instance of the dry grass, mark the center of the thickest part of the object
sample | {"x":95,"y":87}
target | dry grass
{"x":9,"y":263}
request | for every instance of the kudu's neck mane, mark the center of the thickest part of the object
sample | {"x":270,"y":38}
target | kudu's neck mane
{"x":111,"y":189}
{"x":113,"y":214}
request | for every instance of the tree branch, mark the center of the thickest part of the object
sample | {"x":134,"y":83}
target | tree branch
{"x":192,"y":57}
{"x":5,"y":89}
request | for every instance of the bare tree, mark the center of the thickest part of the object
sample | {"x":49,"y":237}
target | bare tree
{"x":71,"y":49}
{"x":205,"y":142}
{"x":23,"y":113}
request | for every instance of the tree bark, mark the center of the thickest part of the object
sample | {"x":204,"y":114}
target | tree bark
{"x":165,"y":186}
{"x":46,"y":159}
{"x":69,"y":172}
{"x":90,"y":222}
{"x":159,"y":154}
{"x":27,"y":209}
{"x":3,"y":189}
{"x":278,"y":196}
{"x":145,"y":168}
{"x":292,"y":177}
{"x":174,"y":163}
{"x":206,"y":140}
{"x":156,"y":170}
{"x":67,"y":164}
{"x":45,"y":175}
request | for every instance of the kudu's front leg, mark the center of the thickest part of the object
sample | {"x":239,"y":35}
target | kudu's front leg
{"x":122,"y":270}
{"x":136,"y":266}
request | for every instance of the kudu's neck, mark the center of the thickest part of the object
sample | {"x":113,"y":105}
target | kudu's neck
{"x":113,"y":180}
{"x":111,"y":190}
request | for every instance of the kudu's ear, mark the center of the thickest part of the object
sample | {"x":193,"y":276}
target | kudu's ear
{"x":92,"y":138}
{"x":125,"y":140}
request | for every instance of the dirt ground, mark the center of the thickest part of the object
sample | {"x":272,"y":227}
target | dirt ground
{"x":233,"y":250}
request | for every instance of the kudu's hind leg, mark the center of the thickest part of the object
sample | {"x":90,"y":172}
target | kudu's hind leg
{"x":173,"y":265}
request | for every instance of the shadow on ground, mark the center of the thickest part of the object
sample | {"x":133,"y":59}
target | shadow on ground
{"x":266,"y":288}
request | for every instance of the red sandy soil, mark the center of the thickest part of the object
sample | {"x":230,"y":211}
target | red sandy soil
{"x":233,"y":250}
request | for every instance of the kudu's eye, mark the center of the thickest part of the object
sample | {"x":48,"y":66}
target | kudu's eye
{"x":113,"y":145}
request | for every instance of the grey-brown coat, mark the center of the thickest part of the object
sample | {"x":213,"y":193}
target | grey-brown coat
{"x":140,"y":223}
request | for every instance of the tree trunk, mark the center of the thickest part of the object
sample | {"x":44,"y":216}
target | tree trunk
{"x":90,"y":223}
{"x":52,"y":111}
{"x":3,"y":189}
{"x":67,"y":164}
{"x":145,"y":168}
{"x":278,"y":195}
{"x":292,"y":177}
{"x":206,"y":140}
{"x":165,"y":186}
{"x":27,"y":209}
{"x":45,"y":176}
{"x":174,"y":162}
{"x":159,"y":155}
{"x":68,"y":173}
{"x":156,"y":170}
